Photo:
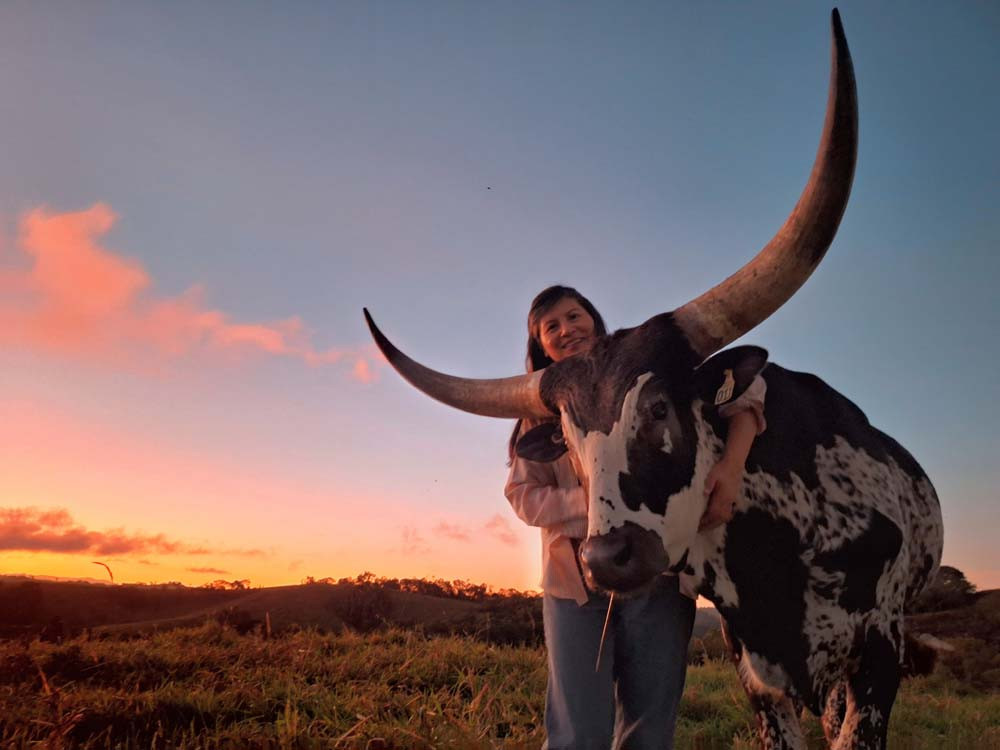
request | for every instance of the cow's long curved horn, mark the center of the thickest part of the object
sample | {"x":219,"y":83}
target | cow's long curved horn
{"x":739,"y":303}
{"x":513,"y":397}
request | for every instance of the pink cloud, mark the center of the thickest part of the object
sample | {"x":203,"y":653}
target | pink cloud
{"x":62,"y":291}
{"x":33,"y":530}
{"x":413,"y":542}
{"x":500,"y":529}
{"x":363,"y":371}
{"x":497,"y":527}
{"x":452,"y":531}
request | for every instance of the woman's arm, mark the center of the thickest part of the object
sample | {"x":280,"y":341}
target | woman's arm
{"x":533,"y":492}
{"x":725,"y":480}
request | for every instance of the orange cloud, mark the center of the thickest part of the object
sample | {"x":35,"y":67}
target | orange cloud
{"x":62,"y":291}
{"x":211,"y":571}
{"x":34,"y":530}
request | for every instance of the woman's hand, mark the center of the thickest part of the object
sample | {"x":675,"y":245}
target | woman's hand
{"x":722,"y":486}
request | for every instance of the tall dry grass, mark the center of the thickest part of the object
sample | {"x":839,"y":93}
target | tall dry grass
{"x":210,"y":687}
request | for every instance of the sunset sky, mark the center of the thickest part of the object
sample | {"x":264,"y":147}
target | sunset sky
{"x":197,"y":199}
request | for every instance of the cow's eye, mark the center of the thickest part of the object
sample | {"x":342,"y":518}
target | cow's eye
{"x":658,"y":410}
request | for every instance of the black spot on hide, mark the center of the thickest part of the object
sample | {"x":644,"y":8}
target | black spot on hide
{"x":764,"y":559}
{"x":681,"y":564}
{"x":708,"y":578}
{"x":863,"y":561}
{"x":653,"y":474}
{"x":875,"y":684}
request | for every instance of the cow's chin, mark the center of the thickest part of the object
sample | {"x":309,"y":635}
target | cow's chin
{"x":623,"y":561}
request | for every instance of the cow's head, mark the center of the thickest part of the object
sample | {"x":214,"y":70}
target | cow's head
{"x":641,"y":424}
{"x":627,"y":409}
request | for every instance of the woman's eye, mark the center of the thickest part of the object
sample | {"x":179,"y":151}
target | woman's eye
{"x":658,"y":410}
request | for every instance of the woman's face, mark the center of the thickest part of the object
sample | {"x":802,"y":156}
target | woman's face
{"x":566,"y":329}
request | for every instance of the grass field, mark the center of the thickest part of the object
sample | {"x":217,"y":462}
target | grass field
{"x":209,"y":687}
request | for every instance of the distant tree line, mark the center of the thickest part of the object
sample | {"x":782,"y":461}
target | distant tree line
{"x":457,"y":589}
{"x":504,"y":615}
{"x":223,"y":585}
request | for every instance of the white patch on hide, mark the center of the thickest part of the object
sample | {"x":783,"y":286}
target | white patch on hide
{"x":685,"y":508}
{"x":604,"y":458}
{"x":763,"y":677}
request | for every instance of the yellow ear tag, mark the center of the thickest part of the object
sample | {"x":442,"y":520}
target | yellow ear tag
{"x":726,"y":391}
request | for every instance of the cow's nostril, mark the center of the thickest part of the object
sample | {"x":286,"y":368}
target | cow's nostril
{"x":624,"y":553}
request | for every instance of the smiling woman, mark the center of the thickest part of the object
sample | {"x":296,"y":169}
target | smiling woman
{"x":643,"y":676}
{"x":565,"y":329}
{"x":542,"y":314}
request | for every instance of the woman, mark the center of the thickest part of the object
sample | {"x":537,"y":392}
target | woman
{"x":632,"y":700}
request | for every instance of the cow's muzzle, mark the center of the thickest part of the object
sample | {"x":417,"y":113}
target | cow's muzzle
{"x":623,"y":560}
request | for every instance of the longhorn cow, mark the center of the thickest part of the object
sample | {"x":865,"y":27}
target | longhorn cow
{"x":839,"y":526}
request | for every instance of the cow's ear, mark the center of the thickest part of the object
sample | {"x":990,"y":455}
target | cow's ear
{"x":543,"y":443}
{"x":725,"y":376}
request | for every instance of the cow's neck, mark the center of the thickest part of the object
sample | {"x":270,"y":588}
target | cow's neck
{"x":706,"y":569}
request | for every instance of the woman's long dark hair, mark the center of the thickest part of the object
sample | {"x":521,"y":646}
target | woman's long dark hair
{"x":536,"y":358}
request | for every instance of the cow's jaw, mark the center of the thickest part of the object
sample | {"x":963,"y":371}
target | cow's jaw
{"x":628,"y":546}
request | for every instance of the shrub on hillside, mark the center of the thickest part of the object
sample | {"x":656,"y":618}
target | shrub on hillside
{"x":949,"y":589}
{"x":513,"y":621}
{"x":238,"y":619}
{"x":365,"y":608}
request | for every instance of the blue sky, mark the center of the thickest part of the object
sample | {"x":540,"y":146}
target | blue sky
{"x":440,"y":163}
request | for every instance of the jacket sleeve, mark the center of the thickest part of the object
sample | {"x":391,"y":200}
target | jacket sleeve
{"x":533,"y":492}
{"x":752,"y":399}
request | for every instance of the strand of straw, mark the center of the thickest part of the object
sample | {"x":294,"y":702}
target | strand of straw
{"x":604,"y":632}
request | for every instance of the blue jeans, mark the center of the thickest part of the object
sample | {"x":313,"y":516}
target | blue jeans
{"x":632,"y":702}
